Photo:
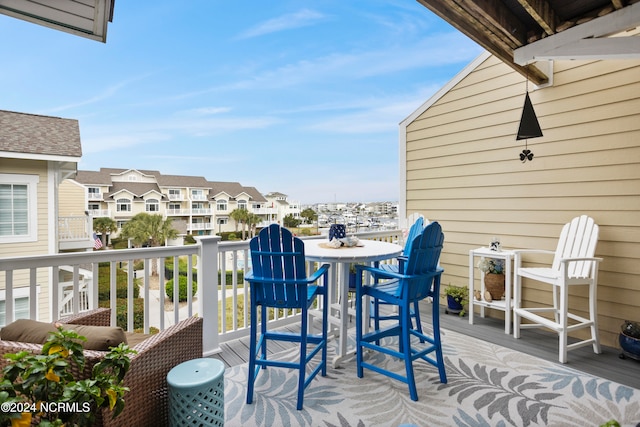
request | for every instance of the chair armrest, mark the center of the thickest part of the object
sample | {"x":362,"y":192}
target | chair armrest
{"x":313,"y":278}
{"x":567,"y":260}
{"x":318,"y":273}
{"x":517,"y":259}
{"x":147,"y":376}
{"x":377,"y":273}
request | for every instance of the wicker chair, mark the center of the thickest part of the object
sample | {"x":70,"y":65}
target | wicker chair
{"x":147,"y":400}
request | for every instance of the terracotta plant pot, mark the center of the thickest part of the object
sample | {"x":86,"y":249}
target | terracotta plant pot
{"x":494,"y":283}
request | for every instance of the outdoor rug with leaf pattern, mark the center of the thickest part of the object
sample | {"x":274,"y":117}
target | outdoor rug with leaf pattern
{"x":488,"y":385}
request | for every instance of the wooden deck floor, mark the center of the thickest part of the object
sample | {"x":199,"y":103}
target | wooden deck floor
{"x":535,"y":342}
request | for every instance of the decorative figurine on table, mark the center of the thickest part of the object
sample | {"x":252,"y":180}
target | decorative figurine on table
{"x":495,"y":244}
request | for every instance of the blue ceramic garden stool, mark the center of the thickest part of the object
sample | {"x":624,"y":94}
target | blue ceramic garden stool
{"x":196,"y":393}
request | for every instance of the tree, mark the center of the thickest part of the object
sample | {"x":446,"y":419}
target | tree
{"x":240,"y":216}
{"x":309,"y":215}
{"x":104,"y":225}
{"x":290,"y":222}
{"x":146,"y":228}
{"x":252,"y":221}
{"x":153,"y":230}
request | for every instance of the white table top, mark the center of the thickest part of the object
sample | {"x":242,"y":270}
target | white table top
{"x":371,"y":250}
{"x":489,"y":252}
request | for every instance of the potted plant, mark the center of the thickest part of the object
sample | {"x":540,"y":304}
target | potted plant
{"x":457,"y":299}
{"x":42,"y":386}
{"x":493,"y":270}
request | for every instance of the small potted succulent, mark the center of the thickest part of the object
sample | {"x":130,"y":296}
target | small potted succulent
{"x":457,"y":299}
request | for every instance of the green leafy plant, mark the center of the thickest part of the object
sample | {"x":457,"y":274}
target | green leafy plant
{"x":182,"y":292}
{"x":491,"y":265}
{"x":41,"y":389}
{"x":459,"y":294}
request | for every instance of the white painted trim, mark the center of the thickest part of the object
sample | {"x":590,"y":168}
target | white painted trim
{"x":446,"y":88}
{"x":45,"y":157}
{"x":588,"y":40}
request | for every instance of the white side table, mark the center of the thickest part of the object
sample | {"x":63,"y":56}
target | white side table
{"x":506,"y":304}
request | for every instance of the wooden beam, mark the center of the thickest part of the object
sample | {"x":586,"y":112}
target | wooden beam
{"x":542,"y":12}
{"x":457,"y":14}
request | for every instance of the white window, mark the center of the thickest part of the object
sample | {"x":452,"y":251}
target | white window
{"x":221,"y":205}
{"x":174,"y":206}
{"x":94,"y":192}
{"x":223,"y":220}
{"x":123,"y":205}
{"x":242,"y":204}
{"x":175,"y":194}
{"x":152,"y":205}
{"x":20,"y":304}
{"x":18,"y":208}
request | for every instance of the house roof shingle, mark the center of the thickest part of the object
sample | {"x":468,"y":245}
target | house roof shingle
{"x":32,"y":134}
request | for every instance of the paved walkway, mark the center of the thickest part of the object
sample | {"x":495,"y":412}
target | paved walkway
{"x":154,"y":308}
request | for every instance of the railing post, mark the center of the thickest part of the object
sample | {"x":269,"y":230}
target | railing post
{"x":208,"y":292}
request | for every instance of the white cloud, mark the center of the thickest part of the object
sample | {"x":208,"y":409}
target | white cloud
{"x":302,"y":18}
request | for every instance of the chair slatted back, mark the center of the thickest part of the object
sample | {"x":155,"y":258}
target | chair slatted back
{"x":578,"y":239}
{"x":414,"y":231}
{"x":422,"y":262}
{"x":278,"y":257}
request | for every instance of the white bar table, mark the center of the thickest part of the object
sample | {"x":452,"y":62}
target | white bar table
{"x":505,"y":305}
{"x":368,"y":252}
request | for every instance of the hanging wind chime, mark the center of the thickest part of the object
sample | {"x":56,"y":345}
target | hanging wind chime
{"x":529,"y":126}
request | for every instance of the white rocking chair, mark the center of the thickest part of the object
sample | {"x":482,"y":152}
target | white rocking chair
{"x":573,"y":264}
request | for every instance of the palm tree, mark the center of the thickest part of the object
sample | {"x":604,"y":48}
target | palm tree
{"x":252,"y":221}
{"x":240,"y":216}
{"x":149,"y":229}
{"x":104,"y":225}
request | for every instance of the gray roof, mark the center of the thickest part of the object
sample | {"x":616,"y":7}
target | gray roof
{"x":182,"y":181}
{"x":104,"y":178}
{"x":42,"y":135}
{"x":138,"y":189}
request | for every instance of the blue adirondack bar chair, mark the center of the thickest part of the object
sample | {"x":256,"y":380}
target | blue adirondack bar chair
{"x":419,"y":280}
{"x":278,"y":280}
{"x":414,"y":231}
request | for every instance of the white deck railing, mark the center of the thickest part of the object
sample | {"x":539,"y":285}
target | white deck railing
{"x":208,"y":257}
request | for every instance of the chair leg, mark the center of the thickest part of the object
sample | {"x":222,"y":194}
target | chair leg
{"x":405,"y":347}
{"x":416,"y":315}
{"x":359,"y":368}
{"x":562,"y":313}
{"x":593,"y":316}
{"x":437,"y":342}
{"x":303,"y":361}
{"x":517,"y":289}
{"x":252,"y":354}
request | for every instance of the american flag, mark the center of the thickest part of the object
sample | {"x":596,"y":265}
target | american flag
{"x":97,"y":242}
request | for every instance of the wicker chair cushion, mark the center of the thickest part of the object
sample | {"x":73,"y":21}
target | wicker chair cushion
{"x":31,"y":331}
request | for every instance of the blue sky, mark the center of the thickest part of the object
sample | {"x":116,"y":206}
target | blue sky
{"x":299,"y":97}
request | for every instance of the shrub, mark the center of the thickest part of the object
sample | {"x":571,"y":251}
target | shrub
{"x":121,"y":312}
{"x":182,"y":292}
{"x":104,"y":283}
